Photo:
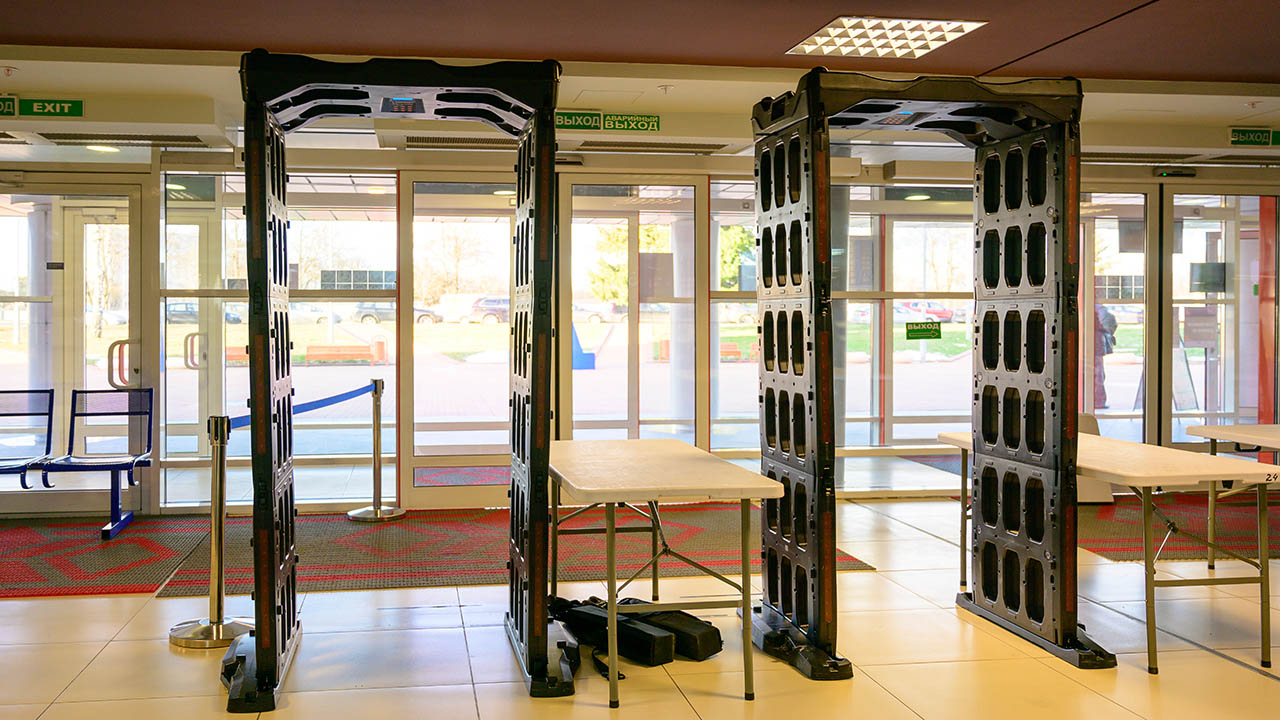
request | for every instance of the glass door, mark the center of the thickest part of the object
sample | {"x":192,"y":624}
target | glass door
{"x":455,"y":330}
{"x":1220,"y":311}
{"x":67,"y":321}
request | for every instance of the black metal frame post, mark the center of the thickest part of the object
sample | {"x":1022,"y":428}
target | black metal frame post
{"x":283,"y":93}
{"x":1026,"y":268}
{"x":532,"y":260}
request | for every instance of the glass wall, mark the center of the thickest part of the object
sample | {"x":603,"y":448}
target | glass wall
{"x":1113,"y":312}
{"x":342,"y":278}
{"x":461,"y":306}
{"x":632,"y":287}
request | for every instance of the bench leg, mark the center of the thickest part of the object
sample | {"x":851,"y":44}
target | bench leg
{"x":119,"y":517}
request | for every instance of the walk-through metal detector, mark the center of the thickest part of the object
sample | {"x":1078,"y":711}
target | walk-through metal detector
{"x":1026,"y":184}
{"x":283,"y":93}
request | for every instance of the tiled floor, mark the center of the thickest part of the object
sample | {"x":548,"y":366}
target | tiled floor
{"x":441,"y":652}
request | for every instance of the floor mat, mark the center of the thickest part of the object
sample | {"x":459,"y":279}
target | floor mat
{"x":44,"y":557}
{"x":1114,"y":530}
{"x":464,"y":476}
{"x":949,"y":463}
{"x":469,"y":547}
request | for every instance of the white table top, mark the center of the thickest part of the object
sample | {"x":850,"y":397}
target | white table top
{"x":636,"y":471}
{"x":1266,"y":436}
{"x":1132,"y":464}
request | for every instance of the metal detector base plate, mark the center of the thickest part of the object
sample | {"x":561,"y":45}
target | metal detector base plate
{"x":776,"y":636}
{"x":548,"y":685}
{"x":372,"y":514}
{"x":1086,"y":654}
{"x":201,"y":634}
{"x":240,"y":676}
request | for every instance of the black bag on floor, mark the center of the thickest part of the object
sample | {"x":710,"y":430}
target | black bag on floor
{"x":696,"y":638}
{"x":638,"y":640}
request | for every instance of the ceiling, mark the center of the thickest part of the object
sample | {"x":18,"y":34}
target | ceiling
{"x":1221,"y":41}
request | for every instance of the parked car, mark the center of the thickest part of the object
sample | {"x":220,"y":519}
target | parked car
{"x":904,"y":314}
{"x":490,"y":310}
{"x":658,"y":312}
{"x":595,"y":313}
{"x":109,"y":317}
{"x":312,"y":313}
{"x":427,"y":316}
{"x":189,"y":312}
{"x":374,"y":312}
{"x":934,"y":309}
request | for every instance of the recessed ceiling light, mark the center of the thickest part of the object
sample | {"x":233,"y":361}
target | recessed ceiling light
{"x":174,"y":186}
{"x":376,"y":190}
{"x":504,"y":192}
{"x":917,"y":196}
{"x":102,"y":148}
{"x":883,"y":37}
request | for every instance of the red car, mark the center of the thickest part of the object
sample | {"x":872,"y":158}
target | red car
{"x":933,"y":309}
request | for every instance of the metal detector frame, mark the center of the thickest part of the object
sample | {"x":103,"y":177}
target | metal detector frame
{"x":1036,"y":121}
{"x":283,"y":93}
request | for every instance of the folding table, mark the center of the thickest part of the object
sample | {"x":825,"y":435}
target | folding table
{"x":1144,"y":469}
{"x":620,"y":472}
{"x":1245,"y":438}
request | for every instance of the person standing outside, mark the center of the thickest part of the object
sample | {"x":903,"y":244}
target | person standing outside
{"x":1104,"y":343}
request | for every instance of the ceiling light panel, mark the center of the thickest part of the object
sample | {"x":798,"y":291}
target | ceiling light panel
{"x":883,"y":37}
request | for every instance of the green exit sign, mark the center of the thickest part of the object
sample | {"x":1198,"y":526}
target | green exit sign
{"x":578,"y":119}
{"x":51,"y":108}
{"x":8,"y":106}
{"x":928,"y":330}
{"x":1254,"y":137}
{"x":596,"y":120}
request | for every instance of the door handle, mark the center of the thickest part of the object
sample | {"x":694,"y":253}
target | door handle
{"x":115,"y":370}
{"x":189,"y":350}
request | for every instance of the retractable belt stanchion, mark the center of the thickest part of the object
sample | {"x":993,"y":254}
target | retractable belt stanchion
{"x":377,"y":512}
{"x":215,"y":631}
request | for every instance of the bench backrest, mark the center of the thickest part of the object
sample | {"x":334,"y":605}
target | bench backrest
{"x":129,"y":403}
{"x":30,"y":404}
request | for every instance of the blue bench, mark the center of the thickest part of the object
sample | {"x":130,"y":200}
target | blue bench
{"x":27,"y":404}
{"x":129,"y":404}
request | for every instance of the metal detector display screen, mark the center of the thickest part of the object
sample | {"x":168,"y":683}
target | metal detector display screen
{"x":403,"y":105}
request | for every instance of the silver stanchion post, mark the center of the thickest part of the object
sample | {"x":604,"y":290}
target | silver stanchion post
{"x":377,"y":512}
{"x":216,"y":631}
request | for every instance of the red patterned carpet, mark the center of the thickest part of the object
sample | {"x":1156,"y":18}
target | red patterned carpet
{"x":1115,"y":531}
{"x":65,"y":556}
{"x":465,"y":547}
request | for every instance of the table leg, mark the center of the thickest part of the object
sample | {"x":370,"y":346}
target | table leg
{"x":1213,"y":507}
{"x":964,"y":525}
{"x":653,"y":545}
{"x":611,"y":574}
{"x":555,"y":535}
{"x":748,"y":670}
{"x":1264,"y":563}
{"x":1149,"y":575}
